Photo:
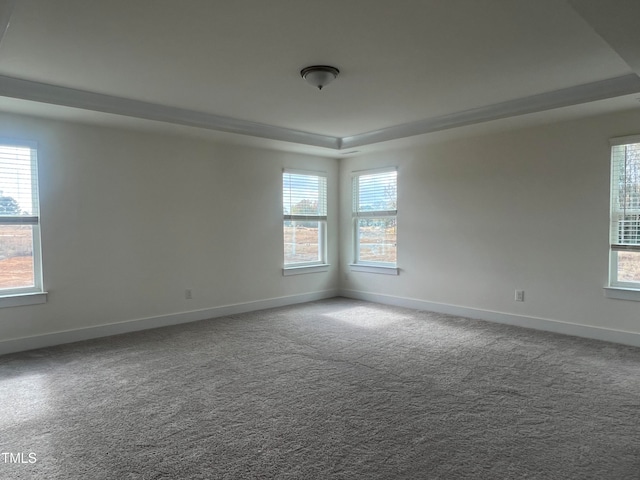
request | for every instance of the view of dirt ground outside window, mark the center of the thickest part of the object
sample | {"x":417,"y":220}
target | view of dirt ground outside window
{"x":16,"y":256}
{"x":377,"y":244}
{"x":301,"y":242}
{"x":629,"y":267}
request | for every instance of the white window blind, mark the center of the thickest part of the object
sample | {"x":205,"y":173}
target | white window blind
{"x":304,"y":197}
{"x":18,"y":185}
{"x":375,"y":194}
{"x":625,"y":197}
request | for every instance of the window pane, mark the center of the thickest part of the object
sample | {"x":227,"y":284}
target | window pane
{"x":304,"y":194}
{"x":628,"y":230}
{"x":302,"y":242}
{"x":628,"y":266}
{"x":376,"y":192}
{"x":18,"y":178}
{"x":625,"y":178}
{"x":377,"y":239}
{"x":16,"y":256}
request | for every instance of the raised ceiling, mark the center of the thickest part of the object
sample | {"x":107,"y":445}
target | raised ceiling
{"x":408,"y":67}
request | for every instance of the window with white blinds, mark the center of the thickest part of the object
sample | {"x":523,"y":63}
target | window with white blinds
{"x":20,"y":265}
{"x":304,"y":205}
{"x":374,"y":217}
{"x":625,"y":212}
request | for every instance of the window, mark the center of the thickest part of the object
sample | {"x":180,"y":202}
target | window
{"x":304,"y":200}
{"x":625,"y":213}
{"x":20,"y":265}
{"x":374,"y":218}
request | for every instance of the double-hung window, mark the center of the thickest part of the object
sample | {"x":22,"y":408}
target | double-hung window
{"x":20,"y":263}
{"x":374,"y":218}
{"x":304,"y":201}
{"x":625,"y":213}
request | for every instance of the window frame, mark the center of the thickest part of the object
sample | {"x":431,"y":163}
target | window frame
{"x":617,"y":288}
{"x":320,"y":265}
{"x":370,"y":266}
{"x":18,"y":296}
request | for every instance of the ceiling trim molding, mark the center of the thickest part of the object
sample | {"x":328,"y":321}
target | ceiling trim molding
{"x":590,"y":92}
{"x":70,"y":97}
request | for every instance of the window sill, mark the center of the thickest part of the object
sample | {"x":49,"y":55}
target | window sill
{"x":305,"y":269}
{"x":21,"y":299}
{"x":622,"y":293}
{"x":380,"y":269}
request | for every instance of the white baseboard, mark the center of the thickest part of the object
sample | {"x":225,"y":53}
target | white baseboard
{"x":565,"y":328}
{"x":69,"y":336}
{"x":76,"y":335}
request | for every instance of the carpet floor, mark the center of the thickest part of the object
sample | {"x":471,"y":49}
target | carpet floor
{"x":336,"y":389}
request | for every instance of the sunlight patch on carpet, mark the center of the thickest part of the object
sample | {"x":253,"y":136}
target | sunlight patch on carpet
{"x":367,"y":317}
{"x":25,"y":398}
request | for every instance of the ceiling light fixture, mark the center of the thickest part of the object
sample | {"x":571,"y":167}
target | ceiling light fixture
{"x":319,"y":75}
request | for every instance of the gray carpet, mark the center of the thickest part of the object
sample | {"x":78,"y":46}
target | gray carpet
{"x":332,"y":389}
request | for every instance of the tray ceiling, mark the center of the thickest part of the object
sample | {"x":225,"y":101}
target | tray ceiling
{"x":407,"y":67}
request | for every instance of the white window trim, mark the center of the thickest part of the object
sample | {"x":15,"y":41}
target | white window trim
{"x":624,"y":140}
{"x":22,"y":299}
{"x":321,"y":265}
{"x":384,"y":268}
{"x":304,"y":269}
{"x":621,"y":293}
{"x":616,"y":289}
{"x":617,"y":286}
{"x":378,"y":268}
{"x":15,"y":297}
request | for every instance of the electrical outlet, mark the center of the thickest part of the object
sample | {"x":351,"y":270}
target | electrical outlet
{"x":187,"y":294}
{"x":519,"y":295}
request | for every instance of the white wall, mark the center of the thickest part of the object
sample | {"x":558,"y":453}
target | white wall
{"x":479,"y":217}
{"x":130,"y":220}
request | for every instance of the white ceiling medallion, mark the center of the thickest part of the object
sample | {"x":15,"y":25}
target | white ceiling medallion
{"x":319,"y":75}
